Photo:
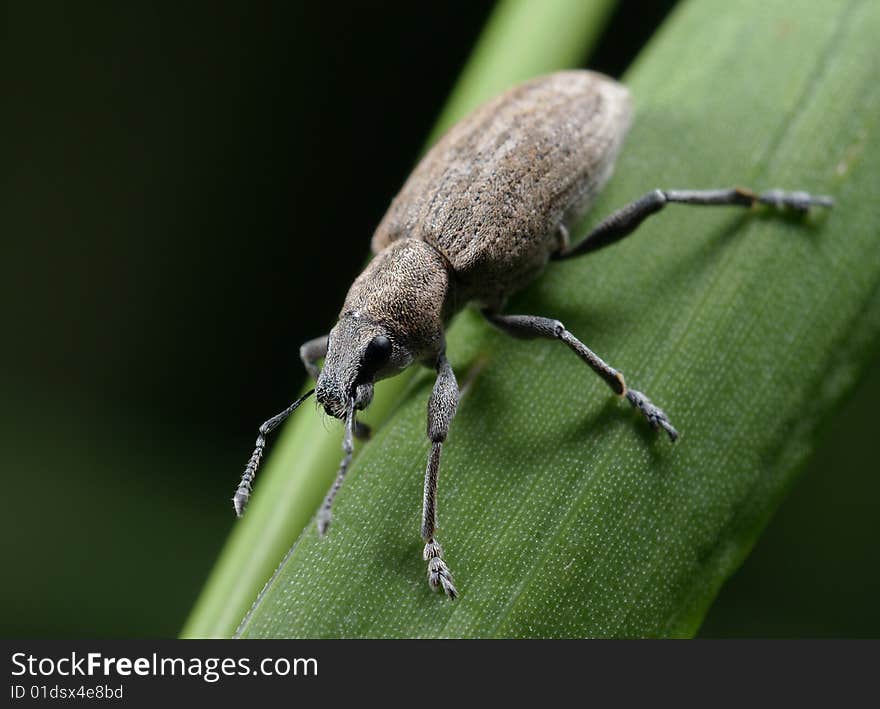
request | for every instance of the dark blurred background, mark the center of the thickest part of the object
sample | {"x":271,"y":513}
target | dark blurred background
{"x":187,"y":191}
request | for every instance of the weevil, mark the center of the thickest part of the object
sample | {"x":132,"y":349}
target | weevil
{"x":481,"y":216}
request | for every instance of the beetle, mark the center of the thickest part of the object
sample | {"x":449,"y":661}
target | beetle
{"x":481,"y":216}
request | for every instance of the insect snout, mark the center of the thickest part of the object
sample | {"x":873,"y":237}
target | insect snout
{"x":337,"y":398}
{"x":333,"y":399}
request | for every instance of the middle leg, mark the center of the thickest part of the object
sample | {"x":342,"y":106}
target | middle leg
{"x":531,"y":326}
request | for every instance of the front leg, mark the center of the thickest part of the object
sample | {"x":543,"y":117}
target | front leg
{"x":313,"y":350}
{"x":441,"y":410}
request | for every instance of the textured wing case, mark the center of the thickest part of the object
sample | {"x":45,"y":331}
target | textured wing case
{"x":490,"y":195}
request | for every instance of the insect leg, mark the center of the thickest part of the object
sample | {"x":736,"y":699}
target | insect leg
{"x":313,"y":350}
{"x":243,"y":493}
{"x":531,"y":326}
{"x":627,"y":219}
{"x":441,"y":410}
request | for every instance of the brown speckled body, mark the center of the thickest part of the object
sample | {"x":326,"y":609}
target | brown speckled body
{"x":491,"y":194}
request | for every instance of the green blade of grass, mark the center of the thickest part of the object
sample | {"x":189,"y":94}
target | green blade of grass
{"x":521,"y":39}
{"x":561,"y":514}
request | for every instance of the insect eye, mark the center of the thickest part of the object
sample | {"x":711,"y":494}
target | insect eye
{"x":378,"y":352}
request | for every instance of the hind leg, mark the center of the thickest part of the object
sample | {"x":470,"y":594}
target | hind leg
{"x":627,"y":219}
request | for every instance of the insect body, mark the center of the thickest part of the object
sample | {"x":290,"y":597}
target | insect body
{"x":479,"y":218}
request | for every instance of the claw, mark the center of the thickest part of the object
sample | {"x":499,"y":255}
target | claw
{"x":800,"y":201}
{"x":439,"y":575}
{"x":655,"y":415}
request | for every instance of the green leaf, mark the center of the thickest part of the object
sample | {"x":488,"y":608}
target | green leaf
{"x":561,"y":513}
{"x":304,"y":460}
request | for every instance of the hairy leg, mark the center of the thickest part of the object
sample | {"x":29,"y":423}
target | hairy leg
{"x":531,"y":326}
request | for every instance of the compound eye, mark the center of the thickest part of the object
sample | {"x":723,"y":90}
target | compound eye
{"x":377,"y":353}
{"x":379,"y":349}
